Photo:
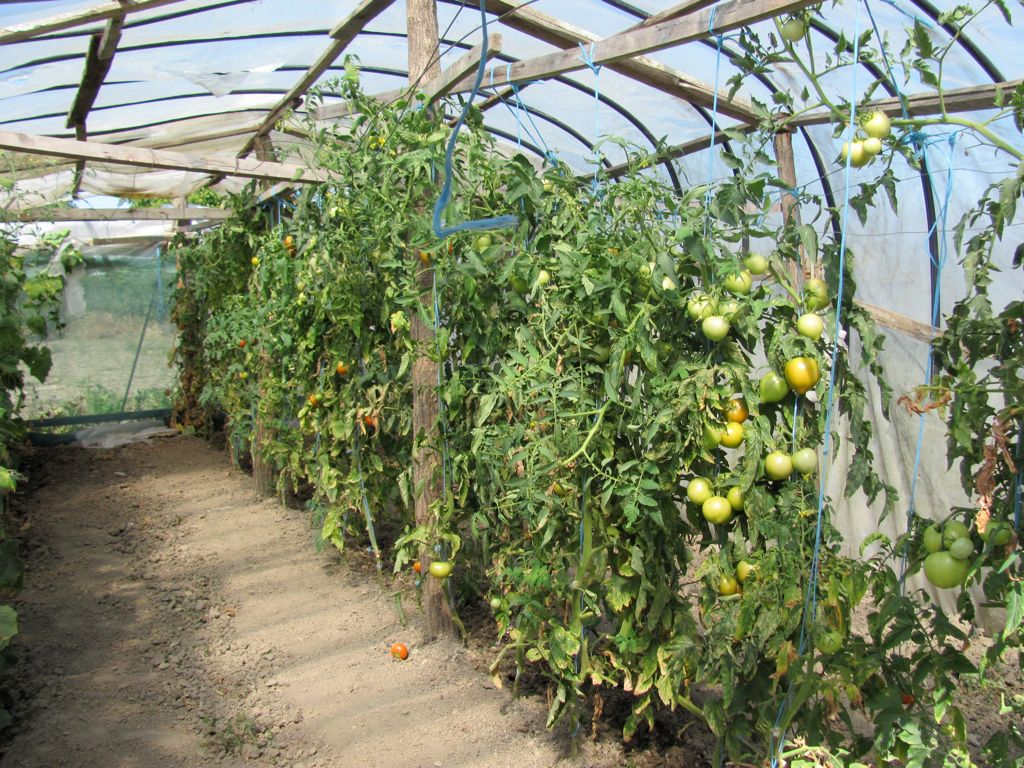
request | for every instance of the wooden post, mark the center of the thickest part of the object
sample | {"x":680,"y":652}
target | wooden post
{"x":421,"y":16}
{"x":790,"y":210}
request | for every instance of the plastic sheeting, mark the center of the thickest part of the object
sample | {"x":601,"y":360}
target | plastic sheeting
{"x":206,"y":72}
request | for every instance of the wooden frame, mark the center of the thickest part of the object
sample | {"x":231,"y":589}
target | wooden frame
{"x":120,"y":214}
{"x":158,"y":158}
{"x":30,"y":29}
{"x":433,"y":90}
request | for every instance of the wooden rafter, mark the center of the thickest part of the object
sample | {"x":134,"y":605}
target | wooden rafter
{"x":121,"y":214}
{"x":680,"y":9}
{"x":433,"y":89}
{"x":954,"y":101}
{"x":644,"y":70}
{"x":730,"y":15}
{"x":98,"y":59}
{"x":341,"y":36}
{"x":158,"y":158}
{"x":30,"y":29}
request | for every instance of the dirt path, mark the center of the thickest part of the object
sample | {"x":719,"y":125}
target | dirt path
{"x":170,"y":619}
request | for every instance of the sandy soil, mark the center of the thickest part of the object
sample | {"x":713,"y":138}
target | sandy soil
{"x":171,"y":619}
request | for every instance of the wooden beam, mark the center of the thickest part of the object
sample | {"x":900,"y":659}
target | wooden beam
{"x":19,"y":32}
{"x":120,"y":214}
{"x":157,"y":158}
{"x":433,"y":90}
{"x":898,"y":322}
{"x":341,"y":36}
{"x":95,"y":72}
{"x":130,"y":239}
{"x":669,"y":153}
{"x":680,"y":9}
{"x":783,"y":143}
{"x":972,"y":99}
{"x":730,"y":15}
{"x":111,"y":37}
{"x":644,"y":70}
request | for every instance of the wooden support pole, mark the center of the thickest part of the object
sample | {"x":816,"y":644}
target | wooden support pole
{"x":790,"y":210}
{"x":421,"y":17}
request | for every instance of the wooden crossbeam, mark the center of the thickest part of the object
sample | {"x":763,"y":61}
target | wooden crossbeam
{"x":120,"y":214}
{"x":433,"y":90}
{"x":343,"y":34}
{"x":158,"y":158}
{"x":730,"y":15}
{"x":680,"y":9}
{"x":644,"y":70}
{"x":30,"y":29}
{"x":972,"y":99}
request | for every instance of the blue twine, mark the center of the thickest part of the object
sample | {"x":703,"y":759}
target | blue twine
{"x":811,"y":597}
{"x":587,"y":57}
{"x":495,"y":222}
{"x":714,"y":120}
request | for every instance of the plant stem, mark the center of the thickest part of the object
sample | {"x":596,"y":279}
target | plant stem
{"x":919,"y":122}
{"x":590,"y":435}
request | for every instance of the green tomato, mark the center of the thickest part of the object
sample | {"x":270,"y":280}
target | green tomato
{"x":829,"y":641}
{"x":735,"y":498}
{"x":712,"y":437}
{"x":932,"y":539}
{"x":858,"y":157}
{"x":668,"y":284}
{"x":999,"y":531}
{"x":945,"y":571}
{"x":715,"y":327}
{"x":815,"y":294}
{"x":743,"y":571}
{"x":810,"y":325}
{"x":793,"y":30}
{"x":778,"y":465}
{"x":717,"y":510}
{"x":805,"y":461}
{"x":496,"y":601}
{"x":873,"y":146}
{"x":483,"y":242}
{"x":953,"y":530}
{"x":756,"y":264}
{"x":877,"y":125}
{"x":519,"y":285}
{"x":962,"y":549}
{"x":699,"y":490}
{"x":727,"y":585}
{"x":733,"y":435}
{"x":772,"y":388}
{"x":729,"y":308}
{"x":440,"y":569}
{"x":739,"y":284}
{"x":700,"y":306}
{"x":543,"y":277}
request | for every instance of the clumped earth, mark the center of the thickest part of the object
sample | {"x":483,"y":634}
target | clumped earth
{"x":170,"y":618}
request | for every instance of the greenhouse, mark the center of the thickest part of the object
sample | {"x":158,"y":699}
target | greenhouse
{"x":526,"y":383}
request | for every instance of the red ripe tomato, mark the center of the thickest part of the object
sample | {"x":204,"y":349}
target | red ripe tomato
{"x":241,"y":343}
{"x":908,"y":699}
{"x":400,"y":651}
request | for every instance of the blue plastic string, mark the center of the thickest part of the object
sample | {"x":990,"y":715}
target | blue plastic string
{"x":811,"y":598}
{"x":495,"y":222}
{"x":714,"y":121}
{"x":587,"y":57}
{"x":939,"y":262}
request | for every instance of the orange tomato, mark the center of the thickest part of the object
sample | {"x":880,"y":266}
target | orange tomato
{"x":425,"y":258}
{"x":241,"y":343}
{"x":369,"y":423}
{"x":417,"y":566}
{"x":314,"y":400}
{"x":341,"y":369}
{"x":289,"y":242}
{"x":400,"y":651}
{"x":737,"y":410}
